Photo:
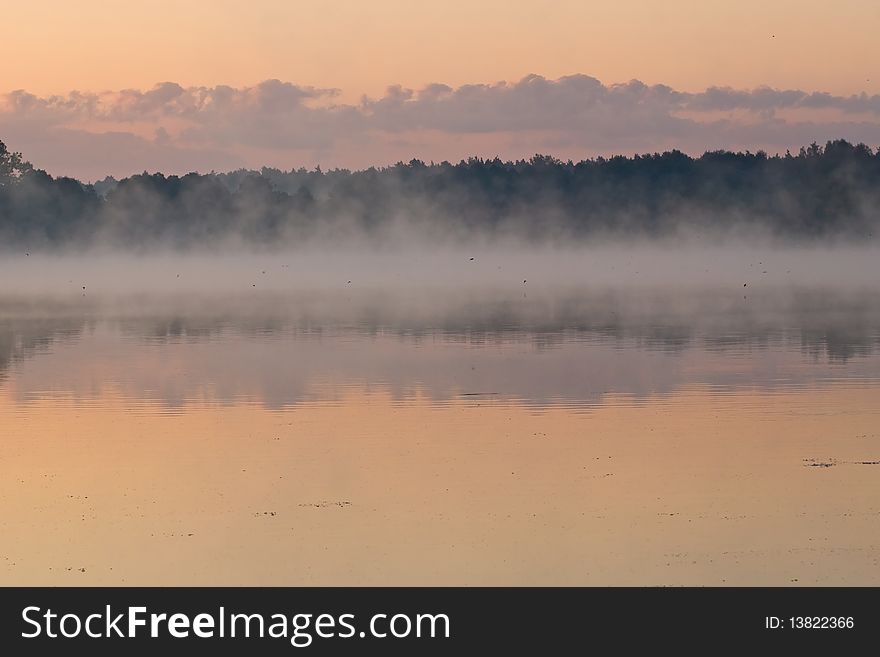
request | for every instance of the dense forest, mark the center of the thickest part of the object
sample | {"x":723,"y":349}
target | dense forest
{"x":818,"y":193}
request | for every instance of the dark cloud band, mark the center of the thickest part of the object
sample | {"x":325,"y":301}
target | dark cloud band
{"x":175,"y":127}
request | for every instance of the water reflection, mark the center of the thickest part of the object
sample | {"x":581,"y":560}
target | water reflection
{"x":572,"y":349}
{"x":651,"y":438}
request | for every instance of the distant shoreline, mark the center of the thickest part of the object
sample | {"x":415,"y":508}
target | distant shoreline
{"x":820,"y":193}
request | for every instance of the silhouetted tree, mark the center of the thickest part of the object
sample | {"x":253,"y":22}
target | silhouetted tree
{"x":823,"y":190}
{"x":11,"y":166}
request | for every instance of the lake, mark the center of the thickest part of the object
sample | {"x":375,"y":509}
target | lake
{"x":720,"y":431}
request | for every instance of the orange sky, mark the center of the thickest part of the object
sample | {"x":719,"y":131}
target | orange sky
{"x":361,"y":47}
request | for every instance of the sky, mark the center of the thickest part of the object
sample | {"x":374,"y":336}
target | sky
{"x":95,"y":88}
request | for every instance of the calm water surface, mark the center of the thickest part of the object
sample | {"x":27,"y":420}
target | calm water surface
{"x":586,"y":438}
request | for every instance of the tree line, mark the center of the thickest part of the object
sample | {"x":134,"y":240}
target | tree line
{"x":820,"y":192}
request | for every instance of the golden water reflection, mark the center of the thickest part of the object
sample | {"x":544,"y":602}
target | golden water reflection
{"x":640,"y":438}
{"x":692,"y":487}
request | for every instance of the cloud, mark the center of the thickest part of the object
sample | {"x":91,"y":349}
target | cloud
{"x":176,"y":128}
{"x":765,"y":98}
{"x":94,"y":155}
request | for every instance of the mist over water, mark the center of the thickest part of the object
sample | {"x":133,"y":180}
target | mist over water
{"x":443,"y":412}
{"x":597,"y":398}
{"x":535,"y":325}
{"x":419,"y":266}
